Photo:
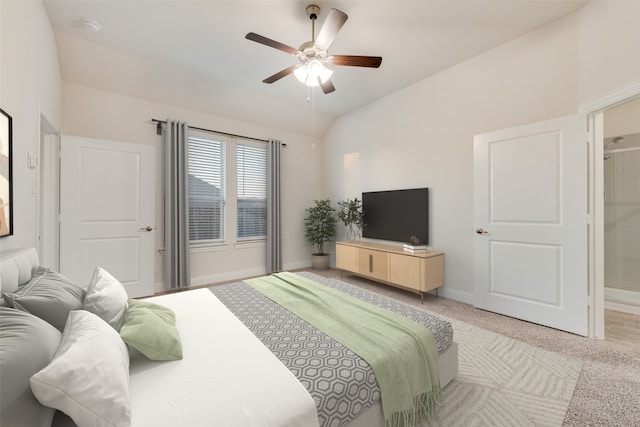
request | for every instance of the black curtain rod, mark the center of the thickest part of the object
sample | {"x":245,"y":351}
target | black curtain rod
{"x":161,"y":122}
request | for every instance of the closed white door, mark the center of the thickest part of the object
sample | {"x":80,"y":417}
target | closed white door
{"x":107,"y":212}
{"x":530,"y":216}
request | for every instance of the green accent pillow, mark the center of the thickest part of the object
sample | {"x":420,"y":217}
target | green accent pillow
{"x":151,"y":329}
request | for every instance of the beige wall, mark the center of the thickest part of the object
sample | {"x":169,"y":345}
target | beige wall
{"x":106,"y":115}
{"x":423,"y":135}
{"x":608,"y":48}
{"x":419,"y":136}
{"x":30,"y":88}
{"x":623,"y":119}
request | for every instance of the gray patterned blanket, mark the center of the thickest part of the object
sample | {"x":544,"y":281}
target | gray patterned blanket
{"x":342,"y":384}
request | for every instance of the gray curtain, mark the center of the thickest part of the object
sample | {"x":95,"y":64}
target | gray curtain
{"x":274,"y":216}
{"x":176,"y":204}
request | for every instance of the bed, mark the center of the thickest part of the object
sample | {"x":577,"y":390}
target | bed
{"x":246,"y":361}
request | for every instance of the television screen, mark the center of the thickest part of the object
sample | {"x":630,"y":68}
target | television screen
{"x":396,"y":215}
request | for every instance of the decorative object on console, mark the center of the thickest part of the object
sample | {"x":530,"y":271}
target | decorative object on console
{"x":415,"y":249}
{"x":319,"y":228}
{"x":6,"y":185}
{"x":350,"y":213}
{"x":414,"y":246}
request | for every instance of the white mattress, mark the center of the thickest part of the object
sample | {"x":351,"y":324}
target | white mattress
{"x":227,"y":377}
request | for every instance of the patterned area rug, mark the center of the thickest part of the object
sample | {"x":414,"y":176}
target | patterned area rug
{"x":505,"y":382}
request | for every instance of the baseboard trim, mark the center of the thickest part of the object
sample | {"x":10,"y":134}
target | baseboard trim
{"x":454,"y":294}
{"x":236,"y":275}
{"x":624,"y":308}
{"x":226,"y":276}
{"x":296,"y":265}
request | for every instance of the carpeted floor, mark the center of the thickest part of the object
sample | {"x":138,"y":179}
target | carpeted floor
{"x":607,"y":392}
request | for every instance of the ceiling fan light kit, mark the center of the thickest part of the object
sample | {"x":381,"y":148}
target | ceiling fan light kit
{"x":313,"y":73}
{"x":313,"y":56}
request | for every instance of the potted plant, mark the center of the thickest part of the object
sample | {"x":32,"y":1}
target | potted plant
{"x":350,"y":213}
{"x":320,"y":227}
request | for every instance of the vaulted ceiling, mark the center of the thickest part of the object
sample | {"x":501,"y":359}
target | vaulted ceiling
{"x":194,"y":53}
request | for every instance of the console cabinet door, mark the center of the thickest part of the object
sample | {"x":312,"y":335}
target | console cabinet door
{"x":406,"y":271}
{"x":373,"y":264}
{"x":432,"y":273}
{"x":347,"y":258}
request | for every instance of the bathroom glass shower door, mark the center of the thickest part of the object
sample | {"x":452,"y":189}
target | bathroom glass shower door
{"x":622,"y":223}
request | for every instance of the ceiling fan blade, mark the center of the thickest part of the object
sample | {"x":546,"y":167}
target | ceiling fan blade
{"x":334,"y":22}
{"x":271,"y":43}
{"x":280,"y":74}
{"x":356,"y":61}
{"x":327,"y":86}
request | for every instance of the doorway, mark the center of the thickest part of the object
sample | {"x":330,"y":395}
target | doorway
{"x":603,"y":118}
{"x":48,"y":199}
{"x":621,"y":198}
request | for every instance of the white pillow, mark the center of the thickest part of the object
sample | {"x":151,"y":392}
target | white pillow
{"x":88,"y":378}
{"x":107,"y":298}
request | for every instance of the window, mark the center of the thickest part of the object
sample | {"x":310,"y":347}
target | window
{"x":208,"y":157}
{"x":206,"y":189}
{"x":251,"y":197}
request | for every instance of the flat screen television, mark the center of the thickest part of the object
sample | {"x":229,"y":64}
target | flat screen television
{"x":396,"y":215}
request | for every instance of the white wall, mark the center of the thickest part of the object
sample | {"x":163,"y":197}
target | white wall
{"x":100,"y":114}
{"x":423,"y":135}
{"x":30,"y":87}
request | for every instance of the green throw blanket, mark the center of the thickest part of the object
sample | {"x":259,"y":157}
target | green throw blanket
{"x":402,"y":353}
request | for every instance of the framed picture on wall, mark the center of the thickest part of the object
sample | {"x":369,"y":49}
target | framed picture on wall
{"x":6,"y":188}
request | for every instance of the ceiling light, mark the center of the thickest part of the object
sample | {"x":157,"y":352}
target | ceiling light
{"x":311,"y":71}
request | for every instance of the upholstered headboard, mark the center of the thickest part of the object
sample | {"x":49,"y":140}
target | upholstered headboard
{"x":16,"y":268}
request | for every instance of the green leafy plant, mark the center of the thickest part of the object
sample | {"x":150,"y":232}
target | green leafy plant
{"x":320,"y":224}
{"x":350,"y":214}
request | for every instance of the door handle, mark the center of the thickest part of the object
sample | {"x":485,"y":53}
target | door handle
{"x":481,"y":231}
{"x":147,"y":228}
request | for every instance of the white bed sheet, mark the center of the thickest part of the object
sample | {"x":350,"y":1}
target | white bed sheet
{"x":226,"y":378}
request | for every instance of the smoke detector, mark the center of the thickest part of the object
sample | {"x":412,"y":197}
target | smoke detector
{"x":91,"y":25}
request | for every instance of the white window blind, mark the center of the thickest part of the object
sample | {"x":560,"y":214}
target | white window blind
{"x":206,"y":189}
{"x":251,"y":176}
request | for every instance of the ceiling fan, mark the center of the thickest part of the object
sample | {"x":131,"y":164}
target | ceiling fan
{"x":313,"y":54}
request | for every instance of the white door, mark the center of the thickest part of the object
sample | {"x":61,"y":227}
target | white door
{"x":107,"y":212}
{"x":530,"y":219}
